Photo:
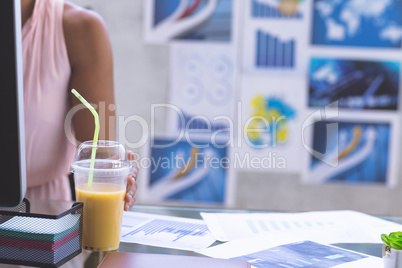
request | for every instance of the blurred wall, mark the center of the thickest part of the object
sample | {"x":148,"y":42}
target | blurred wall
{"x":141,"y":70}
{"x":141,"y":79}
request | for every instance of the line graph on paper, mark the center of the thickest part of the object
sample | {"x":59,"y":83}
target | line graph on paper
{"x":165,"y":231}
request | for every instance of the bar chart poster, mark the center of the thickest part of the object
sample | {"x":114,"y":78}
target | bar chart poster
{"x":274,"y":34}
{"x":273,"y":52}
{"x":275,"y":47}
{"x":277,"y":9}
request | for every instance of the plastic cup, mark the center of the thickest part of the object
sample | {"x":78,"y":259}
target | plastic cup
{"x":103,"y":198}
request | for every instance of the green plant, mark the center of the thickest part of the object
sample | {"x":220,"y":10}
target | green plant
{"x":393,"y":240}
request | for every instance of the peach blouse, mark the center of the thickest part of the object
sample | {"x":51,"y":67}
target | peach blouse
{"x":46,"y":97}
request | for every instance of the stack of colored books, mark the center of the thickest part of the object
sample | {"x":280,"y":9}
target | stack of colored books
{"x":40,"y":240}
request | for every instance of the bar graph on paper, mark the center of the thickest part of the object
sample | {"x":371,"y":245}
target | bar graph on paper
{"x":173,"y":229}
{"x":165,"y":231}
{"x":264,"y":9}
{"x":272,"y":52}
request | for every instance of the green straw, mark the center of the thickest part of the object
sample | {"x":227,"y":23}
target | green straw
{"x":96,"y":135}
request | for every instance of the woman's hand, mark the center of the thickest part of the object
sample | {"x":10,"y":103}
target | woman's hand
{"x":129,"y":199}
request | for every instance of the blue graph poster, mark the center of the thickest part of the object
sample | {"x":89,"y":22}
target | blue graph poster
{"x":301,"y":254}
{"x":189,"y":20}
{"x":188,"y":171}
{"x":354,"y":84}
{"x":360,"y":149}
{"x":274,"y":10}
{"x":272,"y":52}
{"x":362,"y":23}
{"x":275,"y":32}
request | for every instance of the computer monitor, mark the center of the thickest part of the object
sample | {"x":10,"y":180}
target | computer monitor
{"x":12,"y":138}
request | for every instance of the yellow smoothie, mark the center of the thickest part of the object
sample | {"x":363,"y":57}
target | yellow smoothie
{"x":103,"y":211}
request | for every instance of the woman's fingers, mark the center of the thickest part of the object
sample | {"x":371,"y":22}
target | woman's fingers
{"x":130,"y":193}
{"x":130,"y":155}
{"x":134,"y":173}
{"x":130,"y":204}
{"x":131,"y":184}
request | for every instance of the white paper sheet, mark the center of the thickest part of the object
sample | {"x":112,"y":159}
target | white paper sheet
{"x":253,"y":247}
{"x":327,"y":227}
{"x":165,"y":231}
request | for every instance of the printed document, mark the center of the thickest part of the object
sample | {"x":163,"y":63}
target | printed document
{"x":277,"y":250}
{"x":165,"y":231}
{"x":327,"y":227}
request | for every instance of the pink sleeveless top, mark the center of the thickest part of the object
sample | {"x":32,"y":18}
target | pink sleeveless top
{"x":46,"y":95}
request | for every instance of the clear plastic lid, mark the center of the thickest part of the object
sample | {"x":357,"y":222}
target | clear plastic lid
{"x":110,"y":159}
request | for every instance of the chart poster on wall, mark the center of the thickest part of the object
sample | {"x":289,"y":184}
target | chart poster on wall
{"x":202,"y":92}
{"x":276,"y":9}
{"x":269,"y":137}
{"x":275,"y":34}
{"x":353,"y":152}
{"x":354,"y":84}
{"x":357,"y":23}
{"x":187,"y":171}
{"x":197,"y":20}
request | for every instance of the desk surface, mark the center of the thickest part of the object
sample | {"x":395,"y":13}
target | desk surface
{"x":91,"y":259}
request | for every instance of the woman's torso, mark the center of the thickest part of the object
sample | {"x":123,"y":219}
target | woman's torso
{"x":46,"y":78}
